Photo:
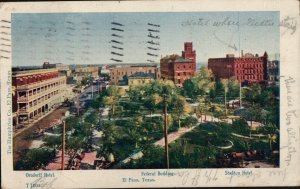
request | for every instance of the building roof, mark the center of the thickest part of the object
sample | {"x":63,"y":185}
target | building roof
{"x":31,"y":72}
{"x":174,"y":58}
{"x":142,"y":75}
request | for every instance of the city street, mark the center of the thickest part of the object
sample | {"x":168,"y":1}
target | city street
{"x":23,"y":141}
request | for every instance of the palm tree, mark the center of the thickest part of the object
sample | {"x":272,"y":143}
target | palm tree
{"x":225,"y":85}
{"x":114,"y":94}
{"x":181,"y":107}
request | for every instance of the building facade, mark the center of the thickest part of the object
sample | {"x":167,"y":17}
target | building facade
{"x":273,"y":71}
{"x":87,"y":71}
{"x":248,"y":67}
{"x":179,"y":68}
{"x":117,"y":73}
{"x":62,"y":68}
{"x":140,"y":78}
{"x":35,"y":93}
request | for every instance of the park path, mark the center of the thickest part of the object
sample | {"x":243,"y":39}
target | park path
{"x":174,"y":136}
{"x":171,"y":137}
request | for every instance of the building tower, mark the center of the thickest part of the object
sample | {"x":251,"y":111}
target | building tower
{"x":265,"y":65}
{"x":188,"y":52}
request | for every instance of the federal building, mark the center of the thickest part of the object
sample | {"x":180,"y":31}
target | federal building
{"x":179,"y":68}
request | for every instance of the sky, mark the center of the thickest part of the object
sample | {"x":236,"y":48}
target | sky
{"x":85,"y":38}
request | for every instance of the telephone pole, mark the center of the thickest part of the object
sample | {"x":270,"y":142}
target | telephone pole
{"x":241,"y":94}
{"x":166,"y":132}
{"x":63,"y":146}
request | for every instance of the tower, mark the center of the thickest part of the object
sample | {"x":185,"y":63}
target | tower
{"x":188,"y":52}
{"x":265,"y":65}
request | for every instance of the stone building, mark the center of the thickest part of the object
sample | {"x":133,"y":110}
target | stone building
{"x":117,"y":73}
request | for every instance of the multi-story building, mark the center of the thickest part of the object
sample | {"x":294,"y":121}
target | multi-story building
{"x":62,"y":68}
{"x":140,"y":78}
{"x":35,"y":93}
{"x":273,"y":71}
{"x":179,"y":68}
{"x":248,"y":67}
{"x":87,"y":71}
{"x":117,"y":73}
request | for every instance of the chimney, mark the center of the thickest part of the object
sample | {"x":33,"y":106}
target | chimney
{"x":242,"y":53}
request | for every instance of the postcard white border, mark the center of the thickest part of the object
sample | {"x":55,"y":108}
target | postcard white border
{"x":289,"y":67}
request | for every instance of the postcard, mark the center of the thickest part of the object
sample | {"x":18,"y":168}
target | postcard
{"x":144,"y":94}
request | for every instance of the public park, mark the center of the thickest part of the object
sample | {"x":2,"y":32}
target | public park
{"x":206,"y":123}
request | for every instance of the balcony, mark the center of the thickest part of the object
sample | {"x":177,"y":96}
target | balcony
{"x":37,"y":95}
{"x":40,"y":83}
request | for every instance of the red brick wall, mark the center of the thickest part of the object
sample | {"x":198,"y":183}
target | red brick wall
{"x":244,"y":68}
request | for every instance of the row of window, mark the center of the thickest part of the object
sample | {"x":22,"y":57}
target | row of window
{"x":247,"y":65}
{"x":43,"y":88}
{"x":39,"y":100}
{"x":184,"y":74}
{"x":131,"y":72}
{"x":184,"y":67}
{"x":256,"y":71}
{"x":250,"y":77}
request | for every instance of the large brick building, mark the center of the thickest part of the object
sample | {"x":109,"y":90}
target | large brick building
{"x":179,"y":68}
{"x":248,"y":67}
{"x":35,"y":93}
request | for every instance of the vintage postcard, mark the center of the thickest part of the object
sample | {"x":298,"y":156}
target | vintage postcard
{"x":136,"y":94}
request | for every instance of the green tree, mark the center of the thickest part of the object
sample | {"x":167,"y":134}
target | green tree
{"x":36,"y":158}
{"x":225,"y":86}
{"x":202,"y":84}
{"x":252,"y":93}
{"x":53,"y":141}
{"x":151,"y":102}
{"x":233,"y":88}
{"x":114,"y":94}
{"x":125,"y":79}
{"x":181,"y":107}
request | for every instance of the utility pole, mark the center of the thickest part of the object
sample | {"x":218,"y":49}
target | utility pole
{"x":166,"y":132}
{"x":240,"y":94}
{"x":63,"y":146}
{"x":92,"y":88}
{"x":225,"y":91}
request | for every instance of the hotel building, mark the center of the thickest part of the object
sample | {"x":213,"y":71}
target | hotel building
{"x":35,"y":93}
{"x":248,"y":67}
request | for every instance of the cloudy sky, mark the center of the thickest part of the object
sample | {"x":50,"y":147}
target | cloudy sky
{"x":85,"y":38}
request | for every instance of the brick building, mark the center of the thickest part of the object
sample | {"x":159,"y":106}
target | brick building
{"x":179,"y":68}
{"x":248,"y":67}
{"x":117,"y":73}
{"x":35,"y":93}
